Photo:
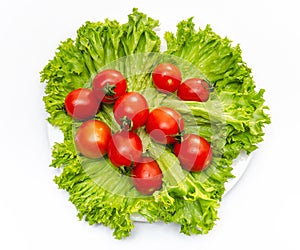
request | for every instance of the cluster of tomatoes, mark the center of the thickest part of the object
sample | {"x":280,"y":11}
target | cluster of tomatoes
{"x":94,"y":138}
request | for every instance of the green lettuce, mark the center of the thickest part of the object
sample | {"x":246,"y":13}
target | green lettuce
{"x":232,"y":120}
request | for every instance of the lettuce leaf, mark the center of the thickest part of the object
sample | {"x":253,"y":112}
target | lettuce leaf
{"x":232,"y":120}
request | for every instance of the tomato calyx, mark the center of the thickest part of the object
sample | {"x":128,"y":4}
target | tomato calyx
{"x":209,"y":87}
{"x":179,"y":136}
{"x":126,"y":123}
{"x":124,"y":170}
{"x":109,"y":91}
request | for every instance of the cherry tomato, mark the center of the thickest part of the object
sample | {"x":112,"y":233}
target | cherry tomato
{"x":166,"y":77}
{"x":125,"y":149}
{"x":194,"y":89}
{"x":92,"y":138}
{"x":147,"y":176}
{"x":109,"y":85}
{"x":81,"y":104}
{"x":131,"y":110}
{"x":194,"y":152}
{"x":164,"y":125}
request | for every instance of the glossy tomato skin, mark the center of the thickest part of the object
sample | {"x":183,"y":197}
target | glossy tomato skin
{"x":125,"y":149}
{"x":194,"y":89}
{"x":81,"y":104}
{"x":194,"y":153}
{"x":166,"y":77}
{"x":164,"y":125}
{"x":146,"y":176}
{"x":108,"y":85}
{"x":92,"y":139}
{"x":131,"y":110}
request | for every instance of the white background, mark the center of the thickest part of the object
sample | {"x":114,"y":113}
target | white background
{"x":261,"y":212}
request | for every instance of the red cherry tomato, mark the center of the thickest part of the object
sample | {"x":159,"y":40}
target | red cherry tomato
{"x":194,"y":89}
{"x":81,"y":104}
{"x":147,"y":176}
{"x":194,"y":152}
{"x":131,"y":110}
{"x":166,"y":77}
{"x":92,"y":138}
{"x":109,"y":85}
{"x":125,"y":149}
{"x":164,"y":125}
